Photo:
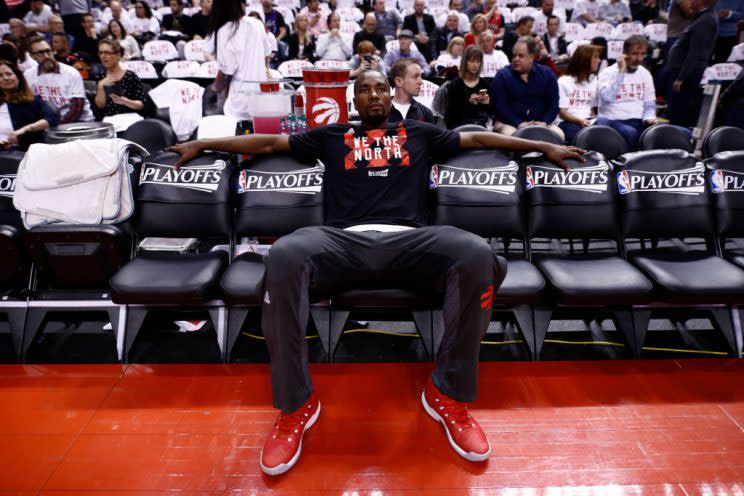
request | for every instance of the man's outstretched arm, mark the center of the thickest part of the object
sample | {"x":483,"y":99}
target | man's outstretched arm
{"x":555,"y":153}
{"x":254,"y":144}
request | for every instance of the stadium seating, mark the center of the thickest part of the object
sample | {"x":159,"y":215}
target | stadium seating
{"x":664,"y":137}
{"x":153,"y":135}
{"x":723,"y":139}
{"x":602,"y":139}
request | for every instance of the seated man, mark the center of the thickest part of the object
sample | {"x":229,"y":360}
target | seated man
{"x":422,"y":26}
{"x":37,"y":19}
{"x":525,"y":93}
{"x":615,"y":12}
{"x":406,"y":75}
{"x":389,"y":22}
{"x":444,"y":34}
{"x":369,"y":33}
{"x":493,"y":60}
{"x":177,"y":22}
{"x":554,"y":42}
{"x":117,"y":12}
{"x":57,"y":84}
{"x":375,"y":228}
{"x":586,"y":12}
{"x":627,"y":97}
{"x":523,"y":28}
{"x":405,"y":40}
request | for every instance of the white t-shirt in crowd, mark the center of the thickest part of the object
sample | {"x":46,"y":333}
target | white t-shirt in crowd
{"x":577,"y":98}
{"x":41,"y":19}
{"x":540,"y":25}
{"x":447,"y":60}
{"x":242,"y":49}
{"x":636,"y":89}
{"x":6,"y":125}
{"x":184,"y":99}
{"x":145,"y":25}
{"x":27,"y":64}
{"x":493,"y":62}
{"x":585,"y":7}
{"x":463,"y":26}
{"x":402,"y":108}
{"x":59,"y":87}
{"x":125,"y":20}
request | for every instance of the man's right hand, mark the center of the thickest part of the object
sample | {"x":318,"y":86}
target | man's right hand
{"x":621,"y":64}
{"x":558,"y":153}
{"x":188,"y":151}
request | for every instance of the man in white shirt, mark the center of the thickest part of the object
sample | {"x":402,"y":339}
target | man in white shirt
{"x":406,"y":75}
{"x":463,"y":24}
{"x":541,"y":17}
{"x":57,"y":84}
{"x":115,"y":11}
{"x":493,"y":60}
{"x":627,"y":98}
{"x":586,"y":12}
{"x":37,"y":19}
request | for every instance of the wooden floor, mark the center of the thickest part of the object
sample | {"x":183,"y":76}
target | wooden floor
{"x":666,"y":427}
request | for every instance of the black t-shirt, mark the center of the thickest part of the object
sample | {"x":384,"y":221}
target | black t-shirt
{"x":375,"y":176}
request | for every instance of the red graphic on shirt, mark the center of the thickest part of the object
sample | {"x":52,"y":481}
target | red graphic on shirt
{"x":377,"y":148}
{"x":486,"y":298}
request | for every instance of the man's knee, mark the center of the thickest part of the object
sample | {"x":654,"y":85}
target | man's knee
{"x":288,"y":253}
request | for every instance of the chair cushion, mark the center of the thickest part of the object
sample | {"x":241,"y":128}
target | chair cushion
{"x":691,"y":277}
{"x":523,"y":284}
{"x":169,"y":278}
{"x":242,"y":283}
{"x":594,"y":279}
{"x":735,"y":256}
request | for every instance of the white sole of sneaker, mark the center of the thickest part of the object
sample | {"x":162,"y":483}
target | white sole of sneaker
{"x":473,"y":457}
{"x":283,"y":467}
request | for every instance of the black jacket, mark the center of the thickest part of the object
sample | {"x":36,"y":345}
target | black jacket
{"x":440,"y":39}
{"x":293,"y":43}
{"x":562,"y":45}
{"x":376,"y":38}
{"x":185,"y":21}
{"x":409,"y":22}
{"x":416,"y":112}
{"x":691,"y":53}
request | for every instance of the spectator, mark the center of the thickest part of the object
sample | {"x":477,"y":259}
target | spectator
{"x":729,"y":12}
{"x":115,"y":11}
{"x":493,"y":60}
{"x":56,"y":25}
{"x":369,"y":33}
{"x":468,"y":100}
{"x":644,"y":10}
{"x":177,"y":22}
{"x":301,"y":43}
{"x":586,"y":12}
{"x":405,"y":40}
{"x":18,"y":29}
{"x":200,"y":20}
{"x":57,"y":84}
{"x":23,"y":115}
{"x":525,"y":93}
{"x":523,"y":28}
{"x":554,"y":42}
{"x":63,"y":55}
{"x":444,"y":34}
{"x":72,"y":12}
{"x":614,"y":12}
{"x":627,"y":98}
{"x":117,"y":32}
{"x":577,"y":91}
{"x":25,"y":62}
{"x":477,"y":27}
{"x":450,"y":58}
{"x":366,"y":59}
{"x":146,"y":26}
{"x":315,"y":17}
{"x":687,"y":61}
{"x":601,"y":42}
{"x":543,"y":15}
{"x":274,"y":20}
{"x":422,"y":26}
{"x":333,"y":45}
{"x":389,"y":22}
{"x":37,"y":19}
{"x":241,"y":50}
{"x":406,"y":76}
{"x":120,"y":91}
{"x":87,"y":42}
{"x":732,"y":103}
{"x":463,"y":22}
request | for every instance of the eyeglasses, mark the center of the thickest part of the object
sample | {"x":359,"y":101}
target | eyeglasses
{"x":106,"y":53}
{"x":42,"y":52}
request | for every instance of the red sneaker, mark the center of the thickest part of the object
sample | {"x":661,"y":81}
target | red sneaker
{"x":463,"y":432}
{"x":283,"y":446}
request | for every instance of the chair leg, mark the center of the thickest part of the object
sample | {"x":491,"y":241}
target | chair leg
{"x":641,"y":319}
{"x":34,"y":321}
{"x":526,"y":325}
{"x":437,"y":331}
{"x":135,"y":319}
{"x":220,"y":327}
{"x":736,"y":319}
{"x":321,"y":316}
{"x":623,"y":319}
{"x":17,"y":323}
{"x":235,"y":319}
{"x":336,"y":328}
{"x":118,"y":318}
{"x":542,"y":315}
{"x":721,"y":317}
{"x":423,"y":321}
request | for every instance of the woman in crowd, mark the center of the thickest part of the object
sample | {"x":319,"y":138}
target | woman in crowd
{"x":577,"y":91}
{"x":366,"y":59}
{"x":450,"y":58}
{"x":301,"y":43}
{"x":477,"y":26}
{"x":468,"y":100}
{"x":120,"y":91}
{"x":23,"y":115}
{"x":332,"y":45}
{"x":117,"y":32}
{"x":146,"y":26}
{"x":25,"y":62}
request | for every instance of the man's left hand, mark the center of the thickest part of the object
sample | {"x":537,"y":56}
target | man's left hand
{"x":677,"y":86}
{"x":558,"y":153}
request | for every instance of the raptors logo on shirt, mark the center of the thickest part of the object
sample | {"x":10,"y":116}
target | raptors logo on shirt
{"x":376,"y":148}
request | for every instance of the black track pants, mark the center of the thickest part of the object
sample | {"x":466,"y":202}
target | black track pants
{"x":325,"y":260}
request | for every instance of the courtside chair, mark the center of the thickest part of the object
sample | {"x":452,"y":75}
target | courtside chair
{"x":154,"y":135}
{"x":723,"y":139}
{"x":664,"y":137}
{"x":602,"y":139}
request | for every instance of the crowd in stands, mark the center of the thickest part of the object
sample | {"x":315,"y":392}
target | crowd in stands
{"x":500,"y":65}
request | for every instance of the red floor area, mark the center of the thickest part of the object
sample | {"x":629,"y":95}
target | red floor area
{"x":562,"y":428}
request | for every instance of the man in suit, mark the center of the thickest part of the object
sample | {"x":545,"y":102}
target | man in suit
{"x":422,"y":26}
{"x":554,"y":42}
{"x":443,"y":35}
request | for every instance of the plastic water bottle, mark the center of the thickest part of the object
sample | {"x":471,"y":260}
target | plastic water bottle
{"x":283,"y":128}
{"x":302,"y":124}
{"x":291,"y":124}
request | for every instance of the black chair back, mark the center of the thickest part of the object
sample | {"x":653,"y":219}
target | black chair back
{"x":539,"y":133}
{"x":277,"y":195}
{"x":723,"y":139}
{"x":195,"y":201}
{"x":153,"y":135}
{"x":664,"y":137}
{"x":602,"y":139}
{"x":479,"y":191}
{"x":663,"y":194}
{"x":725,"y":172}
